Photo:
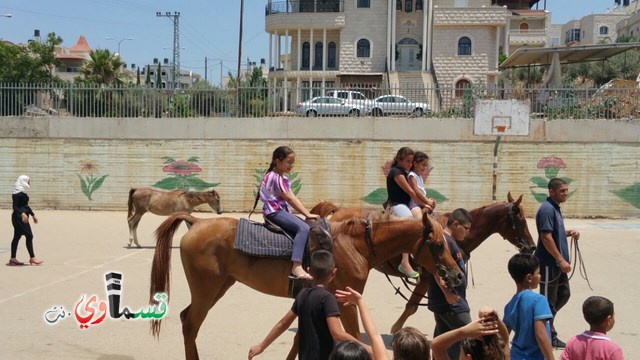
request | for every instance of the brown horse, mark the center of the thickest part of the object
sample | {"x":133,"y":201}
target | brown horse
{"x":212,"y":266}
{"x":505,"y":218}
{"x":163,"y":202}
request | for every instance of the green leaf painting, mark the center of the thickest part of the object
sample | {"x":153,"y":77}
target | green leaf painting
{"x":630,"y":194}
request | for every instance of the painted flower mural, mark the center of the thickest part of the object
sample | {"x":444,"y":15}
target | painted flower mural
{"x":551,"y":166}
{"x":183,"y":175}
{"x":89,"y":181}
{"x":379,"y":196}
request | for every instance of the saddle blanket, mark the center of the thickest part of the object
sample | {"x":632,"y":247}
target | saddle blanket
{"x":252,"y":238}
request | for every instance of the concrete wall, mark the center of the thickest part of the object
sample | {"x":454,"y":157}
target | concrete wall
{"x":339,"y":159}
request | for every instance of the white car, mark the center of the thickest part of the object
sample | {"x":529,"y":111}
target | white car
{"x":397,"y":105}
{"x":328,"y":106}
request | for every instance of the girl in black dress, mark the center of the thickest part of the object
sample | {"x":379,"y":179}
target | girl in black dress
{"x":20,"y":221}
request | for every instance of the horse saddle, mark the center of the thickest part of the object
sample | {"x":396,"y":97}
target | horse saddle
{"x":268,"y":240}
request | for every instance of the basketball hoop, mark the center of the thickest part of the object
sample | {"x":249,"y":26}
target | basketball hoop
{"x":500,"y":128}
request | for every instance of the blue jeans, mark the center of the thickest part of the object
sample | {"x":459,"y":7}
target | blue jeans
{"x":293,"y":224}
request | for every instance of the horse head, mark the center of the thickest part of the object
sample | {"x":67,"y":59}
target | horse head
{"x":514,"y":226}
{"x":324,"y":209}
{"x":319,"y":237}
{"x":446,"y":267}
{"x":214,"y":201}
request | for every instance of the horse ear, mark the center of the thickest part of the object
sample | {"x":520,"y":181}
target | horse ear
{"x":509,"y":197}
{"x":426,"y":222}
{"x":517,"y":203}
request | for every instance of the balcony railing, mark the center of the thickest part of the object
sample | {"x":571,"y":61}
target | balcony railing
{"x":140,"y":101}
{"x":304,"y":6}
{"x":528,"y":36}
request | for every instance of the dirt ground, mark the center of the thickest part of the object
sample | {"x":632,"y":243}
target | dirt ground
{"x":79,"y":248}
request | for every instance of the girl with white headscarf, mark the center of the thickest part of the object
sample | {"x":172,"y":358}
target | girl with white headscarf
{"x":20,"y":220}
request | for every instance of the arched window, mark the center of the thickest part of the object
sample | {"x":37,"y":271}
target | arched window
{"x":408,"y":5}
{"x":419,"y":5}
{"x":464,"y":46}
{"x":604,"y":30}
{"x":305,"y":54}
{"x":461,"y":86}
{"x":399,"y":5}
{"x":524,"y":26}
{"x":364,"y":48}
{"x":331,"y":56}
{"x":317,"y":54}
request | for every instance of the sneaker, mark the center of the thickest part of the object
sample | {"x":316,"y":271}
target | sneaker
{"x":558,"y":344}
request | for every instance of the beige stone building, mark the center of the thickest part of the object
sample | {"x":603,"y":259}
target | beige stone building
{"x":395,"y":44}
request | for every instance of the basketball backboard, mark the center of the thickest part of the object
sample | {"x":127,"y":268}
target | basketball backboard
{"x":501,"y":117}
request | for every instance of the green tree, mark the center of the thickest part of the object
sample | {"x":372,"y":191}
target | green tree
{"x":103,"y":67}
{"x":158,"y":77}
{"x":147,"y":80}
{"x":138,"y":76}
{"x":33,"y":63}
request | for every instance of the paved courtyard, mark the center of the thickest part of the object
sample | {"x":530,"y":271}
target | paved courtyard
{"x":79,"y":248}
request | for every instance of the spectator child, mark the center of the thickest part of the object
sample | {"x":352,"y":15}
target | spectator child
{"x":528,"y":313}
{"x":317,"y":309}
{"x":594,"y":344}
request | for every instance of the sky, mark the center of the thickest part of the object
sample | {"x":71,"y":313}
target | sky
{"x":208,"y":28}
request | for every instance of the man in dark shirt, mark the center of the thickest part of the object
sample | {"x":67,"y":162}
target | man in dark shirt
{"x":553,"y":251}
{"x":451,"y":311}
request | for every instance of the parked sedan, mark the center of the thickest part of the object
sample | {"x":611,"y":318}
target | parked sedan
{"x":397,"y":105}
{"x":328,"y":106}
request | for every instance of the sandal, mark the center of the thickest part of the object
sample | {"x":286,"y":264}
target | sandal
{"x":15,"y":262}
{"x":35,"y":261}
{"x":411,"y":275}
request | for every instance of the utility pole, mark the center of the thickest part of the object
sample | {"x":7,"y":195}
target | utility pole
{"x":175,"y":18}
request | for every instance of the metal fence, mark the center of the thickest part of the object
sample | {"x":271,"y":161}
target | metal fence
{"x":444,"y":102}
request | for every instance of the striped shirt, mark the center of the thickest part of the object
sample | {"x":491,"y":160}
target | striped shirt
{"x":271,"y":187}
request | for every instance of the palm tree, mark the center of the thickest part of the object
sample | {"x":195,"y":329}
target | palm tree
{"x":103,"y":67}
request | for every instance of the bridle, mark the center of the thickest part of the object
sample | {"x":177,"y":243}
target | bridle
{"x":518,"y":228}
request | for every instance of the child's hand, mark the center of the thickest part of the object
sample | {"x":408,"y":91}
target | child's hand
{"x":313,"y":216}
{"x":480,"y":328}
{"x":348,"y":296}
{"x":35,"y":219}
{"x":25,"y":218}
{"x":255,"y":350}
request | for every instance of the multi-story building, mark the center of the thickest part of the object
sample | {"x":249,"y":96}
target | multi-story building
{"x":72,"y":59}
{"x":631,"y":25}
{"x":320,"y":44}
{"x":593,"y":29}
{"x":186,"y":79}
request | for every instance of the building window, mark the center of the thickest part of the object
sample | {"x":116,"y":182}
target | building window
{"x":364,"y":3}
{"x":572,"y":35}
{"x":419,"y":5}
{"x":364,"y":48}
{"x":408,"y":6}
{"x":317,"y":61}
{"x":555,"y":41}
{"x":331,"y":56}
{"x":305,"y":54}
{"x":524,"y":26}
{"x":399,"y":5}
{"x":464,"y":46}
{"x":164,"y":73}
{"x":604,"y":30}
{"x":462,"y":86}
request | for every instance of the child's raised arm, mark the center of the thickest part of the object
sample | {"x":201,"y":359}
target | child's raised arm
{"x":277,"y":330}
{"x":476,"y":329}
{"x":352,"y":297}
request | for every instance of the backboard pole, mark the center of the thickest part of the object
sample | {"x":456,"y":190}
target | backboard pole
{"x":495,"y":167}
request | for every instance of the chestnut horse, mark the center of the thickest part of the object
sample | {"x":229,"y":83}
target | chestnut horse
{"x":505,"y":218}
{"x":163,"y":202}
{"x":212,"y":265}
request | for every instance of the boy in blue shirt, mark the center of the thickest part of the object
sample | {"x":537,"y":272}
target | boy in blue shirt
{"x":528,"y":313}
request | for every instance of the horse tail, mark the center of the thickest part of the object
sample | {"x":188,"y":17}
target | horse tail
{"x":161,"y":266}
{"x":130,"y":202}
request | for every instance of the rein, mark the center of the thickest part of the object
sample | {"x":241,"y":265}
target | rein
{"x":577,"y":256}
{"x":398,"y":291}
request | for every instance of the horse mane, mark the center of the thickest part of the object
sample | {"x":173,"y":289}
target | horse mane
{"x":324,"y":208}
{"x":193,"y":195}
{"x":354,"y":226}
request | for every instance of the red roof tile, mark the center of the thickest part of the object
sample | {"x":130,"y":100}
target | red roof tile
{"x":81,"y":45}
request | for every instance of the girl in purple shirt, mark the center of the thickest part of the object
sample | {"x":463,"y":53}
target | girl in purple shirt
{"x":276,"y":194}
